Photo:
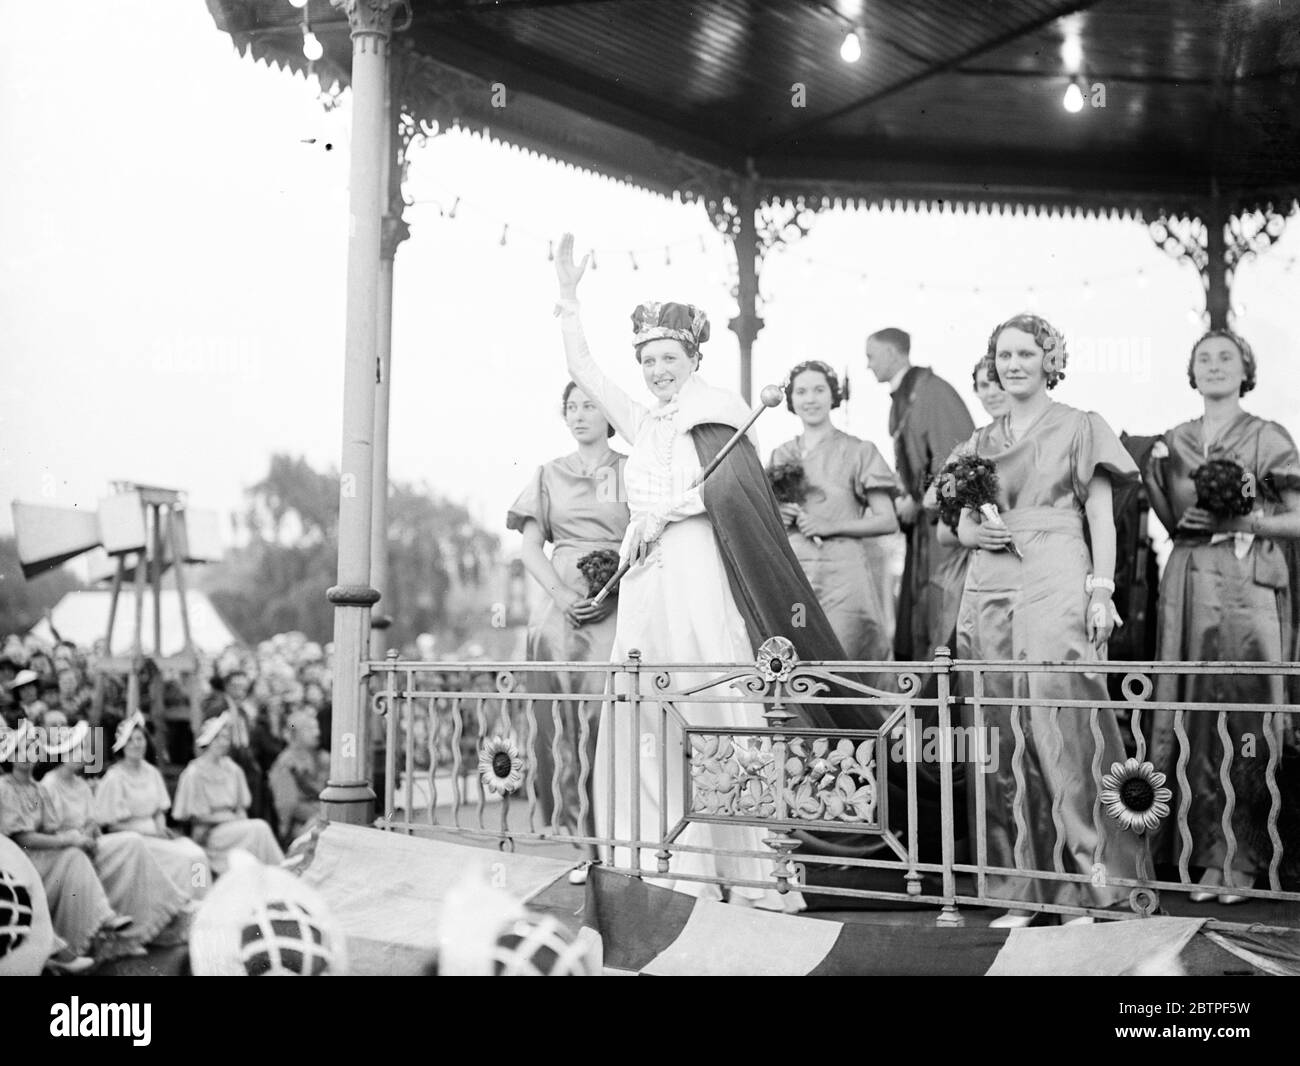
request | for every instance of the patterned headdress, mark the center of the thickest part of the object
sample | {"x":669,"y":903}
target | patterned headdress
{"x":263,"y":921}
{"x":26,"y":935}
{"x":679,"y":322}
{"x":486,"y":932}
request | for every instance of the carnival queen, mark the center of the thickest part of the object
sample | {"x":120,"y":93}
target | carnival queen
{"x":675,"y":601}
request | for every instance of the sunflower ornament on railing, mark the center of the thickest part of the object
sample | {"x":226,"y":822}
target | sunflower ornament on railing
{"x":1133,"y":793}
{"x":500,"y":767}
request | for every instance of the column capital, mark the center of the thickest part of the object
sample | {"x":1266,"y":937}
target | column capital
{"x":372,"y":20}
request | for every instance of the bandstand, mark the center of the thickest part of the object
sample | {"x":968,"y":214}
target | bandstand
{"x":1187,"y":123}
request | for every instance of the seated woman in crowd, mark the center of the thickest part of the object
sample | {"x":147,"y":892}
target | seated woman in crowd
{"x":82,"y":914}
{"x":213,"y":796}
{"x":135,"y":883}
{"x":132,"y":797}
{"x":299,"y":775}
{"x":36,"y":946}
{"x":253,"y":748}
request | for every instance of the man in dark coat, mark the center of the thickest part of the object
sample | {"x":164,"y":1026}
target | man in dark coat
{"x":927,"y":420}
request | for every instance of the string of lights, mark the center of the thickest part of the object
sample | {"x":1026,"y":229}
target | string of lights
{"x":634,"y":257}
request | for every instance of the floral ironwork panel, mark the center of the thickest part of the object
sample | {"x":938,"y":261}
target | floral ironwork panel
{"x":825,"y":779}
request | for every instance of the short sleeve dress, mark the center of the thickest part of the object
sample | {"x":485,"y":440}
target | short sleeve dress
{"x":1222,"y":597}
{"x":839,"y":472}
{"x":1036,"y":608}
{"x":578,"y":512}
{"x":132,"y":879}
{"x":208,"y":787}
{"x":130,"y":799}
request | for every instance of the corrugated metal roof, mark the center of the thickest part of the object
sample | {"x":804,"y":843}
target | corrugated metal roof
{"x":952,"y":99}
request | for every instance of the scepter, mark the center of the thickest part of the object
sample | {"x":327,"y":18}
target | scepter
{"x":771,"y":396}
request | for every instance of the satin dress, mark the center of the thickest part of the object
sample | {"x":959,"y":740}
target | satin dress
{"x":676,"y":607}
{"x":78,"y":904}
{"x":205,"y":788}
{"x":578,"y":513}
{"x":132,"y":879}
{"x":1222,"y":598}
{"x":131,"y":800}
{"x":1036,"y":609}
{"x":840,"y":471}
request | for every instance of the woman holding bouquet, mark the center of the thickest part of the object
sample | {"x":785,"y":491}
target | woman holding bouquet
{"x":1226,"y":486}
{"x":847,"y":495}
{"x":994,"y":401}
{"x":1034,"y":591}
{"x":576,"y":503}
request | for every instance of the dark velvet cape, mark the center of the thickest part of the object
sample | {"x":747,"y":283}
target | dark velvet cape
{"x":766,"y":582}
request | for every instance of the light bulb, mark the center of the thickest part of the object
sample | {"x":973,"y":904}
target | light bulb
{"x":851,"y":49}
{"x":311,"y":46}
{"x":1073,"y":101}
{"x":298,"y":3}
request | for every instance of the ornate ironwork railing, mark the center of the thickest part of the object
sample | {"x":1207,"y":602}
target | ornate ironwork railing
{"x":870,"y":806}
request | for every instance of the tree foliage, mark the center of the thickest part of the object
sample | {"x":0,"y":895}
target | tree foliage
{"x":444,"y":570}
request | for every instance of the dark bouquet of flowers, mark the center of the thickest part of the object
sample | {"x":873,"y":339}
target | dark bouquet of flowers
{"x":1221,"y":488}
{"x":967,"y":481}
{"x":598,"y":567}
{"x":789,"y":484}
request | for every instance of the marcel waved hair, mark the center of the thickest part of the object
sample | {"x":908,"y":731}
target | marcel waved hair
{"x":1247,"y":358}
{"x":1045,"y":335}
{"x":838,"y":394}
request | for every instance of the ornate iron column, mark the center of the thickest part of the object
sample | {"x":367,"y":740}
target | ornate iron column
{"x":746,"y":324}
{"x":348,"y":796}
{"x":1215,"y":243}
{"x":393,"y":230}
{"x":754,"y":229}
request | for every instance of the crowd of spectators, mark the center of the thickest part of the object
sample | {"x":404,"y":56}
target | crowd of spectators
{"x":127,"y":817}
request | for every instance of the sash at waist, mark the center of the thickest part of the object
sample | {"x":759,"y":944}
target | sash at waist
{"x":1044,"y":520}
{"x":586,"y":546}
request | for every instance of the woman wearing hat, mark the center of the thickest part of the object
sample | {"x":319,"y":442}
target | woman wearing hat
{"x":578,"y":504}
{"x":213,"y":796}
{"x":82,"y":914}
{"x":135,"y":883}
{"x":711,"y":578}
{"x":850,"y":498}
{"x":26,"y":691}
{"x":674,"y":602}
{"x":132,"y":797}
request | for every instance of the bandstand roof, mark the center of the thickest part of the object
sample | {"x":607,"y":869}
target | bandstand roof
{"x":953,"y":101}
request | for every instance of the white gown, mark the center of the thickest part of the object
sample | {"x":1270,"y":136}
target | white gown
{"x":675,"y":607}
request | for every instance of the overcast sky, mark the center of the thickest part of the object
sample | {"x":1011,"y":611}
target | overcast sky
{"x":173,"y":258}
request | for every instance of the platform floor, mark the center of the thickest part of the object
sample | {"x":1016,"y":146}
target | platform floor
{"x":568,"y":901}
